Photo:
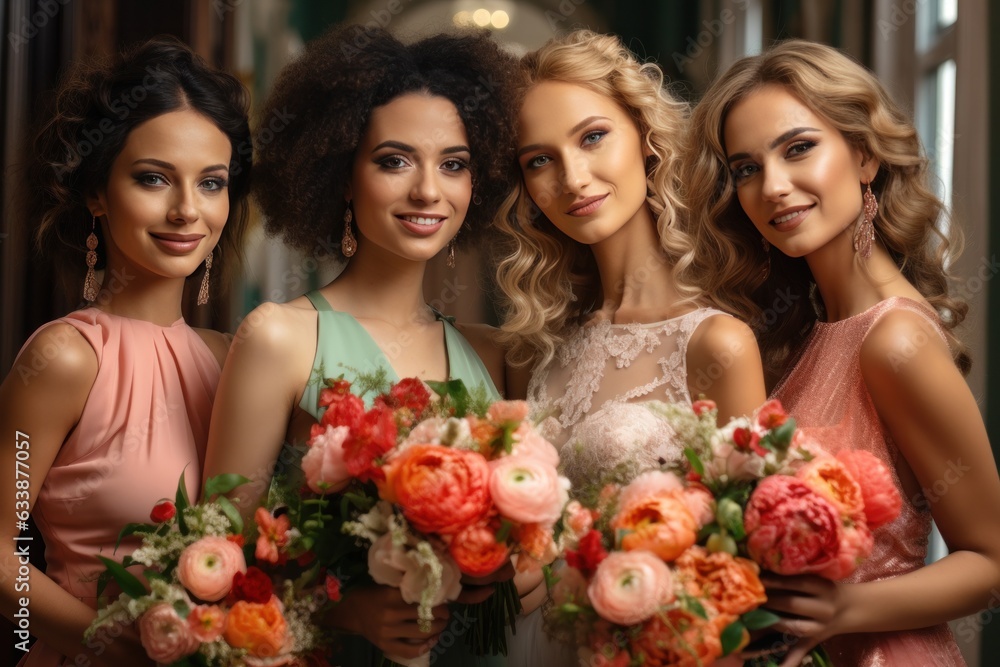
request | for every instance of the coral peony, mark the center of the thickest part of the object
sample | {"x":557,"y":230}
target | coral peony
{"x":662,"y":524}
{"x":259,"y":628}
{"x":791,"y":529}
{"x":649,"y":484}
{"x":165,"y":635}
{"x":629,"y":587}
{"x":829,"y":478}
{"x":206,"y":568}
{"x":397,"y":566}
{"x":882,"y":499}
{"x":272,"y":535}
{"x":206,"y":622}
{"x":477,"y":551}
{"x":855,"y":545}
{"x":731,"y":584}
{"x":441,"y":490}
{"x":324,"y":464}
{"x":677,"y":638}
{"x":528,"y":490}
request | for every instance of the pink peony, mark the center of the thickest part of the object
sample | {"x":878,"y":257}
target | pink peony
{"x":324,"y":464}
{"x":165,"y":635}
{"x":508,"y":411}
{"x":649,"y":484}
{"x":790,"y":528}
{"x":206,"y":568}
{"x":629,"y":587}
{"x":882,"y":499}
{"x":206,"y":622}
{"x":527,"y":442}
{"x":528,"y":490}
{"x":855,"y":545}
{"x":396,"y":566}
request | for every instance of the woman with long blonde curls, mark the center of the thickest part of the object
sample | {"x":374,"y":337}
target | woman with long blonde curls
{"x":813,"y":219}
{"x":591,"y":294}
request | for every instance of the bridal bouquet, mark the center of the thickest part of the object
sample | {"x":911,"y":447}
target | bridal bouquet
{"x":432,"y":486}
{"x":665,"y":570}
{"x":201,"y":603}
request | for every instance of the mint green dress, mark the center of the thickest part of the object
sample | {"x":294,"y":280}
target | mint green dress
{"x":344,"y":347}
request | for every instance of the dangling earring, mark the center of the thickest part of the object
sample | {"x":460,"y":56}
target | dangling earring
{"x":864,"y":233}
{"x":348,"y":244}
{"x":766,"y":271}
{"x":203,"y":290}
{"x":451,"y":253}
{"x":90,"y":286}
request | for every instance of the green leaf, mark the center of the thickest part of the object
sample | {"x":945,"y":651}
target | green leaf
{"x":455,"y":391}
{"x":151,"y":574}
{"x":695,"y":608}
{"x":233,"y":514}
{"x":504,"y":532}
{"x":782,"y":435}
{"x":102,"y":582}
{"x":759,"y":619}
{"x":182,"y":502}
{"x":128,"y":582}
{"x":134,"y":529}
{"x":221,"y":484}
{"x":695,"y":462}
{"x":182,"y":608}
{"x":732,"y":637}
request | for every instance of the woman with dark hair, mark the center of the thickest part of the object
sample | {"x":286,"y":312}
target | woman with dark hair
{"x":138,"y":175}
{"x":400,"y":152}
{"x":809,"y":188}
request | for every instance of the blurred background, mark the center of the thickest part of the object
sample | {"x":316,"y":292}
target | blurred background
{"x":933,"y":55}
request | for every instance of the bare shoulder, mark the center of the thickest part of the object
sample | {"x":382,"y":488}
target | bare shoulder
{"x":721,"y":336}
{"x":276,"y":328}
{"x":217,"y":342}
{"x":58,"y":355}
{"x":895,"y":341}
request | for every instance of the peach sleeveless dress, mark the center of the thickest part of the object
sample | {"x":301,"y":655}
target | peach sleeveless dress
{"x":145,"y":423}
{"x":826,"y":394}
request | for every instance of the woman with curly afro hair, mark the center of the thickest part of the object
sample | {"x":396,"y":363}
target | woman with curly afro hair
{"x":136,"y":183}
{"x":398,"y":152}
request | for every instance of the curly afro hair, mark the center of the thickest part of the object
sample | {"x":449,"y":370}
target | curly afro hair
{"x":328,"y":95}
{"x":96,"y":107}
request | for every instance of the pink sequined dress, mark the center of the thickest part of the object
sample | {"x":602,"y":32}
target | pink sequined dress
{"x":144,"y":424}
{"x":827,"y":395}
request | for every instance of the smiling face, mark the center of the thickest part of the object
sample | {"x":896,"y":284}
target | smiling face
{"x":411,"y":182}
{"x":797,"y":178}
{"x":166,"y":201}
{"x":582,"y":160}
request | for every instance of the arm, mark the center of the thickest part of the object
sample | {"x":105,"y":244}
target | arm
{"x":40,"y":405}
{"x":723,"y":364}
{"x":267,"y":367}
{"x":935,"y":422}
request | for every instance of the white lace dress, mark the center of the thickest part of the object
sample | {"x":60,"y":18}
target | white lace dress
{"x":591,"y":395}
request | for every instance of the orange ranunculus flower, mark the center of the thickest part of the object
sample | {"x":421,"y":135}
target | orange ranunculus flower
{"x":476,"y":550}
{"x":731,"y":584}
{"x":484,"y":432}
{"x":662,"y":524}
{"x":258,"y":628}
{"x":677,"y":638}
{"x":829,"y":478}
{"x":440,"y":489}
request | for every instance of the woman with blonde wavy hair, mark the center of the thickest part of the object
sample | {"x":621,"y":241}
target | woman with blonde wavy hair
{"x":589,"y":275}
{"x":813,"y":220}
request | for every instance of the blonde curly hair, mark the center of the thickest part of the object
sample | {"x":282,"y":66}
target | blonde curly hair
{"x":547,"y":279}
{"x":729,"y":258}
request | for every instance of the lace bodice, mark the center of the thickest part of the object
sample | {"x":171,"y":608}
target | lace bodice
{"x":592,"y":391}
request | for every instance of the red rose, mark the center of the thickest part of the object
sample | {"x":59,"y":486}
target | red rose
{"x":254,"y":586}
{"x":162,"y":511}
{"x":347,"y":411}
{"x":333,"y":588}
{"x":771,"y":415}
{"x":374,"y":435}
{"x":703,"y":406}
{"x":589,"y":555}
{"x":747,"y":440}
